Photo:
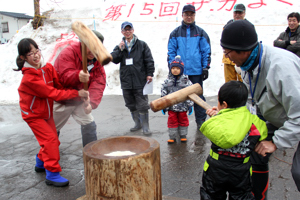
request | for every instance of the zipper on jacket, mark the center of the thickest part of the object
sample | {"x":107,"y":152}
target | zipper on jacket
{"x":26,"y":113}
{"x":46,"y":98}
{"x":32,"y":102}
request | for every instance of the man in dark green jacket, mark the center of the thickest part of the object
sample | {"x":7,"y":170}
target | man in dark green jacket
{"x":136,"y":69}
{"x":290,"y":38}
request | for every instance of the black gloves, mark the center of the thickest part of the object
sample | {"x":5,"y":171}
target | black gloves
{"x":205,"y":74}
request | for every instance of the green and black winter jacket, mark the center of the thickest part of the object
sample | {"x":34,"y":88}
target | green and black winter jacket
{"x":234,"y":132}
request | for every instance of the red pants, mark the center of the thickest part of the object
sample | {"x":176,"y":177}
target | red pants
{"x":46,"y":135}
{"x":176,"y":119}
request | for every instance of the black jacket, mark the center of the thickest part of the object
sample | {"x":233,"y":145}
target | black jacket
{"x":286,"y":37}
{"x":134,"y":76}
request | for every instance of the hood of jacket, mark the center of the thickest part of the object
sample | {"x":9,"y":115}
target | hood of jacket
{"x":230,"y":126}
{"x":27,"y":68}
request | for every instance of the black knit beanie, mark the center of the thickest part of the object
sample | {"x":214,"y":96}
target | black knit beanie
{"x":239,"y":35}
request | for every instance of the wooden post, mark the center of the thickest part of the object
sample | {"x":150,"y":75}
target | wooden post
{"x":122,"y":177}
{"x":37,"y":20}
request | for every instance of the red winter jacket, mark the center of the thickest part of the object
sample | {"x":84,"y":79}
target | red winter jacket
{"x":68,"y":65}
{"x":38,"y":89}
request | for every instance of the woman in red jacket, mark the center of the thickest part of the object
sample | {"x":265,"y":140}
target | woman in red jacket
{"x":38,"y":89}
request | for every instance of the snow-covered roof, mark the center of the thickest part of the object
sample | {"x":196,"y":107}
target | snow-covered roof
{"x":16,"y":15}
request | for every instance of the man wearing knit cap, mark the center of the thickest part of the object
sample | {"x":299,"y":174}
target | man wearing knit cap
{"x":271,"y":75}
{"x":230,"y":74}
{"x":136,"y":69}
{"x":290,"y":38}
{"x":193,"y":45}
{"x":69,"y":68}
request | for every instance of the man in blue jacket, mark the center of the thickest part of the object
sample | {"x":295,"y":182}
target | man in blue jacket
{"x":193,"y":45}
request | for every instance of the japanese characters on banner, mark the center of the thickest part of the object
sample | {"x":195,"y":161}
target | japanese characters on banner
{"x":163,"y":9}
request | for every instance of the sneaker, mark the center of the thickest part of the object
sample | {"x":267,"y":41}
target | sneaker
{"x":183,"y":139}
{"x":171,"y":141}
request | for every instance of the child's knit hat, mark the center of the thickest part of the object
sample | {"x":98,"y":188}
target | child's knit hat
{"x":177,"y":62}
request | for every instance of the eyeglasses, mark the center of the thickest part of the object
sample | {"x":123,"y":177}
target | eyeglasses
{"x":226,"y":54}
{"x":238,"y":12}
{"x":188,"y":15}
{"x":32,"y":54}
{"x":127,"y":29}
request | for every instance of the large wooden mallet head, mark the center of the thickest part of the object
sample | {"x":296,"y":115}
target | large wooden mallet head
{"x":92,"y":42}
{"x":192,"y":92}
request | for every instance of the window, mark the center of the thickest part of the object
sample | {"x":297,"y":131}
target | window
{"x":5,"y":27}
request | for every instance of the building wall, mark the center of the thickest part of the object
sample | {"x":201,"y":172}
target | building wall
{"x":14,"y":25}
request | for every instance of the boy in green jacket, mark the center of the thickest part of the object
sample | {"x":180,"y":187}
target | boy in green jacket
{"x":234,"y":132}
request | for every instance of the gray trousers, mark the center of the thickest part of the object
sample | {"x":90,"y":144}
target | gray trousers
{"x":135,"y":100}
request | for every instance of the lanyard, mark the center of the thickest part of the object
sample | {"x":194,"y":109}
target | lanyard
{"x":259,"y":66}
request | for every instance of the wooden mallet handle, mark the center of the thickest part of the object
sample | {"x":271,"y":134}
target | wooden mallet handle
{"x":84,"y":63}
{"x":195,"y":98}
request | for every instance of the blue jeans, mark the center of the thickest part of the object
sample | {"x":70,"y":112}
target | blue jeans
{"x":200,"y":113}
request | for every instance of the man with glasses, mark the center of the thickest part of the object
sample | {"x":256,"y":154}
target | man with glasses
{"x":136,"y":69}
{"x":193,"y":45}
{"x":230,"y":74}
{"x":271,"y":75}
{"x":290,"y":38}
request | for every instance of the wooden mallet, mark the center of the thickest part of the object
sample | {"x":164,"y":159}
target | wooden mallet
{"x":192,"y":92}
{"x":90,"y":40}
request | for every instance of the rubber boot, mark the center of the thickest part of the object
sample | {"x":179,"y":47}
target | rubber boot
{"x":183,"y":131}
{"x":260,"y":182}
{"x":144,"y":117}
{"x":136,"y":118}
{"x":173,"y":132}
{"x":39,"y":165}
{"x":54,"y":178}
{"x":89,"y":133}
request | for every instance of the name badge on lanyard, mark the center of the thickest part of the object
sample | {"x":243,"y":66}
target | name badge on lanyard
{"x":129,"y":61}
{"x":90,"y":67}
{"x":252,"y":109}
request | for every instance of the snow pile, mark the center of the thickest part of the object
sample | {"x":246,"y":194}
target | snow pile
{"x":152,"y":24}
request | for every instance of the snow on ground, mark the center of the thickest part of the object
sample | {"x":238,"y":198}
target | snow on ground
{"x":152,"y":24}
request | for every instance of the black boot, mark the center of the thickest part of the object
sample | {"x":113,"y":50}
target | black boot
{"x":144,"y":117}
{"x":89,"y":133}
{"x":260,"y":181}
{"x":136,"y":118}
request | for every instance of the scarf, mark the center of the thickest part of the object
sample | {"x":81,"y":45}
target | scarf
{"x":130,"y":43}
{"x":249,"y":62}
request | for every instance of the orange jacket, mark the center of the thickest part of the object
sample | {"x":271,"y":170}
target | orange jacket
{"x":38,"y":89}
